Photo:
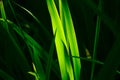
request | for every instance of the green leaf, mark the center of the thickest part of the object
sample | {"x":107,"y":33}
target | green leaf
{"x":37,"y":20}
{"x":96,"y":39}
{"x":71,"y":38}
{"x":57,"y":25}
{"x":22,"y":63}
{"x":50,"y":58}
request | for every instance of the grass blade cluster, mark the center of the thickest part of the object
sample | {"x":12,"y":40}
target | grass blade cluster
{"x":57,"y":26}
{"x":36,"y":48}
{"x":65,"y":34}
{"x":71,"y":38}
{"x":14,"y":43}
{"x":36,"y":19}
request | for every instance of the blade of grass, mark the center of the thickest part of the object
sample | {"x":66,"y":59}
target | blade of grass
{"x":91,"y":60}
{"x":67,"y":52}
{"x":104,"y":17}
{"x":50,"y":59}
{"x":96,"y":40}
{"x":34,"y":73}
{"x":71,"y":36}
{"x":38,"y":64}
{"x":68,"y":64}
{"x":37,"y":20}
{"x":15,"y":15}
{"x":3,"y":15}
{"x":57,"y":25}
